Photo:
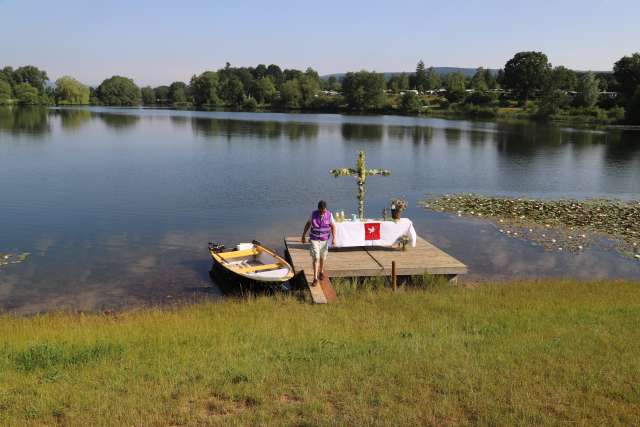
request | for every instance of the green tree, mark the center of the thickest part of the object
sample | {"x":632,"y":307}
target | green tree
{"x":118,"y":90}
{"x":260,"y":71}
{"x":526,"y":73}
{"x":32,"y":75}
{"x":398,"y":82}
{"x":456,"y":87}
{"x":70,"y":91}
{"x":410,"y":103}
{"x":421,"y":77}
{"x":588,"y":90}
{"x":6,"y":74}
{"x":309,"y":87}
{"x":178,"y":93}
{"x":627,"y":73}
{"x":249,"y":104}
{"x":552,"y":102}
{"x":27,"y":94}
{"x":332,"y":84}
{"x":148,"y":95}
{"x":290,"y":94}
{"x":633,"y":108}
{"x":232,"y":91}
{"x":563,"y":78}
{"x":264,"y":90}
{"x":364,"y":90}
{"x":162,"y":94}
{"x":479,"y":80}
{"x":204,"y":88}
{"x":433,"y":80}
{"x":275,"y":73}
{"x":5,"y":92}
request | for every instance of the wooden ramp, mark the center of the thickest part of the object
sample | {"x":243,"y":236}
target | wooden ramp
{"x":425,"y":258}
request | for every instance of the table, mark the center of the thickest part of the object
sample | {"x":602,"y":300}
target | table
{"x":373,"y":233}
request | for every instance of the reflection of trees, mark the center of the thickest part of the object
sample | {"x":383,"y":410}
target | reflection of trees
{"x":477,"y":136}
{"x":362,"y":132}
{"x":179,"y":121}
{"x":25,"y":120}
{"x":623,"y":145}
{"x":453,"y":134}
{"x":526,"y":139}
{"x":73,"y":119}
{"x":417,"y":134}
{"x":256,"y":129}
{"x":119,"y":121}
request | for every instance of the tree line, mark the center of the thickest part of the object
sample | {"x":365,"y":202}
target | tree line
{"x":526,"y":79}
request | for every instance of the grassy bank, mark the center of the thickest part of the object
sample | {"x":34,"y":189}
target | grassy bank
{"x":532,"y":353}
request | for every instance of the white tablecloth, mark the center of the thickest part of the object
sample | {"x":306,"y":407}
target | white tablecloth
{"x":353,"y":233}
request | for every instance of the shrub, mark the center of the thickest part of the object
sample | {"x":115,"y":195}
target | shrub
{"x":250,"y":104}
{"x":481,"y":98}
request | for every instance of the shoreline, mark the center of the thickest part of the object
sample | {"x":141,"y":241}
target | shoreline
{"x":577,"y":121}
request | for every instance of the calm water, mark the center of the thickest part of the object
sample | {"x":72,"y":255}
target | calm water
{"x":117,"y":205}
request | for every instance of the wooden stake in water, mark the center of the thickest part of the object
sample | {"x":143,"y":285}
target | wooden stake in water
{"x":361,"y":173}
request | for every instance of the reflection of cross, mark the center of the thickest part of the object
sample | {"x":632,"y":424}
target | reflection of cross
{"x":361,"y":173}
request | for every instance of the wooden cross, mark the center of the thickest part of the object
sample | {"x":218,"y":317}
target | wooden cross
{"x":361,"y":173}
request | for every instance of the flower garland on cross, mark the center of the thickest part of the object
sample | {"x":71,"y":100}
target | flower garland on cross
{"x":360,"y":173}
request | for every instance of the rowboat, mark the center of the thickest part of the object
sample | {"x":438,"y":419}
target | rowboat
{"x":252,"y":262}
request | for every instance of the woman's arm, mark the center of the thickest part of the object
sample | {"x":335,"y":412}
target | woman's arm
{"x":333,"y":234}
{"x":306,"y":228}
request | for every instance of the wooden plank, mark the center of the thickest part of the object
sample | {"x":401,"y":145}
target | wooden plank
{"x":317,"y":294}
{"x":236,"y":254}
{"x":254,"y":268}
{"x":425,"y":258}
{"x":327,"y":289}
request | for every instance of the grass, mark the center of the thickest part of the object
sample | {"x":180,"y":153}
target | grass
{"x":548,"y":352}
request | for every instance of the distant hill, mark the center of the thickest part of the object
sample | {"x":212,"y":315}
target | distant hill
{"x":468,"y":72}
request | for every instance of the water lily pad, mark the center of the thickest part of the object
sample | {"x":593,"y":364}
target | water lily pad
{"x":568,"y":224}
{"x":8,"y":258}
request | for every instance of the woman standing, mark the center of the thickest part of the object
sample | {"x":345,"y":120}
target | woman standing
{"x":321,"y":225}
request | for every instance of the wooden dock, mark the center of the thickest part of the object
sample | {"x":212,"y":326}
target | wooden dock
{"x":425,"y":258}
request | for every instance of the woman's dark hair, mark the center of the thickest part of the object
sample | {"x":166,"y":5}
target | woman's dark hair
{"x":322,"y":205}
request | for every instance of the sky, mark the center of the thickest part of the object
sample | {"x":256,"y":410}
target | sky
{"x":157,"y":42}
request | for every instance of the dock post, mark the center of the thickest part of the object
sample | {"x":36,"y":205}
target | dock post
{"x":394,"y":278}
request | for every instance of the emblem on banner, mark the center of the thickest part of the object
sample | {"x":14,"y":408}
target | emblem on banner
{"x":372,"y":231}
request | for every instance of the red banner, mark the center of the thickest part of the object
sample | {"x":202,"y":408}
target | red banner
{"x":372,"y":231}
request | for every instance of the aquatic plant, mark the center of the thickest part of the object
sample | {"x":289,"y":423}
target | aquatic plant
{"x":7,"y":258}
{"x":555,"y":224}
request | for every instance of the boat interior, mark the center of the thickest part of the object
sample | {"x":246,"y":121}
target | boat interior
{"x":254,"y":261}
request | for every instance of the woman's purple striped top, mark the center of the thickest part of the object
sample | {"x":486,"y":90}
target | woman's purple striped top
{"x":320,"y":225}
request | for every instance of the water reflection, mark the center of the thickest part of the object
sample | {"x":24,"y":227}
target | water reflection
{"x":415,"y":134}
{"x":453,"y":135}
{"x":118,"y":122}
{"x":623,"y":146}
{"x":73,"y":119}
{"x":238,"y":129}
{"x":24,"y":120}
{"x":362,"y":132}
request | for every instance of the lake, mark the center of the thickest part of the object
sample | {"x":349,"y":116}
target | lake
{"x":116,"y":206}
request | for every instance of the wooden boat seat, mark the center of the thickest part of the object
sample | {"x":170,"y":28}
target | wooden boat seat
{"x":238,"y":254}
{"x":255,"y":268}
